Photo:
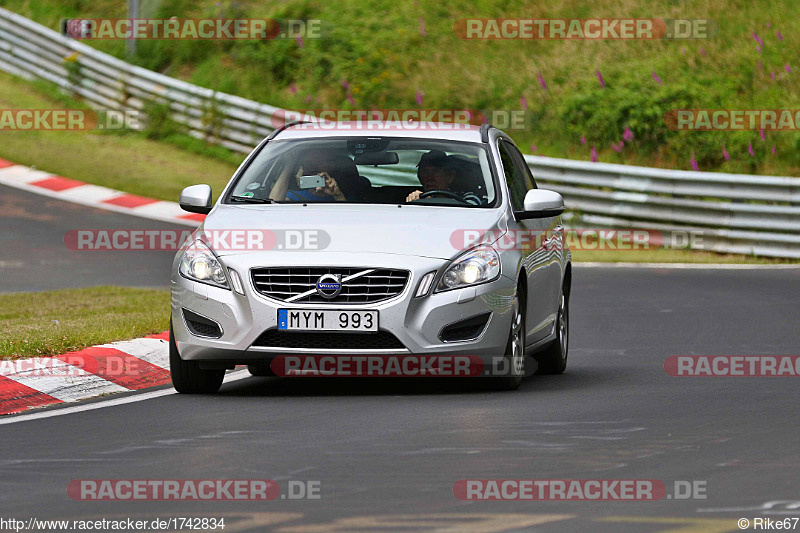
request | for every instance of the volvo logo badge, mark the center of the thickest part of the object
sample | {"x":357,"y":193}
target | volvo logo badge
{"x":329,"y":286}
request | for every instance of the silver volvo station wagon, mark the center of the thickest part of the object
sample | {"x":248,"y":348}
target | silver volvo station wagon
{"x":353,"y":240}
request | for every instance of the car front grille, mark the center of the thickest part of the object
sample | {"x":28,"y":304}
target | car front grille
{"x":382,"y":340}
{"x":377,"y":285}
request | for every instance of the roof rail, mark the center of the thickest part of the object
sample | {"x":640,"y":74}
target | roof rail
{"x":288,"y":125}
{"x":485,"y":127}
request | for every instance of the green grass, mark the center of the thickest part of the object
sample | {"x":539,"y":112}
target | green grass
{"x":379,"y":48}
{"x":161,"y":169}
{"x":128,"y":162}
{"x":469,"y":74}
{"x":51,"y":323}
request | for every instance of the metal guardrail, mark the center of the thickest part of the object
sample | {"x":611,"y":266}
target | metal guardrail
{"x":30,"y":50}
{"x":733,"y":212}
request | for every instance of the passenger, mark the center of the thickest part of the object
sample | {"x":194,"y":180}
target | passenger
{"x":341,"y":180}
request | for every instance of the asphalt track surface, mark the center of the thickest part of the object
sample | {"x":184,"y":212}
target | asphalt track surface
{"x":34,"y":257}
{"x":380,"y":448}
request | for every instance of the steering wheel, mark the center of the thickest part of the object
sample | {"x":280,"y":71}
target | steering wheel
{"x":449,"y":194}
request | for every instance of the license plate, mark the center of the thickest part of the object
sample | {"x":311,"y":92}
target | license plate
{"x":327,"y":320}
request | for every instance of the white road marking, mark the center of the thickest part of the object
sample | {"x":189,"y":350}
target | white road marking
{"x":161,"y":209}
{"x":20,"y":177}
{"x":60,"y":380}
{"x":19,"y":174}
{"x":229,"y":378}
{"x":88,"y":194}
{"x":154,"y":351}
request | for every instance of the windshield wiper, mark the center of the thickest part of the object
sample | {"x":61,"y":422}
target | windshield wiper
{"x":252,"y":200}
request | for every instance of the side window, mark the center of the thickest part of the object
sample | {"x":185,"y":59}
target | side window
{"x":516,"y":178}
{"x":519,"y":159}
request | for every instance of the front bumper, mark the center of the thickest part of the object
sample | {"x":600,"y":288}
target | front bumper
{"x":415,"y":322}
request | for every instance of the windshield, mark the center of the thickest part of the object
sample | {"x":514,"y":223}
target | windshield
{"x":372,"y":170}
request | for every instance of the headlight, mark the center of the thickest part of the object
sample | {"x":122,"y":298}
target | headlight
{"x":478,"y":265}
{"x":200,"y":264}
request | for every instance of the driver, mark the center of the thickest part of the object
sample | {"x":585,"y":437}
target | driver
{"x":436,"y":172}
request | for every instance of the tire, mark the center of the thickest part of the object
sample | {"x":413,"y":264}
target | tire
{"x":187,"y":376}
{"x":553,"y":360}
{"x":514,"y":358}
{"x":261,"y":371}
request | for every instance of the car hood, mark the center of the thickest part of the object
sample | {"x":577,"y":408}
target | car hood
{"x":436,"y":232}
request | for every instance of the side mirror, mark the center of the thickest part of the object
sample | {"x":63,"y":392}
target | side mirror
{"x":541,"y":203}
{"x":196,"y":199}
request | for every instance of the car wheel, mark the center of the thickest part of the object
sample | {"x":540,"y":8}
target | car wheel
{"x":187,"y":376}
{"x":261,"y":371}
{"x":553,"y":360}
{"x":514,"y":358}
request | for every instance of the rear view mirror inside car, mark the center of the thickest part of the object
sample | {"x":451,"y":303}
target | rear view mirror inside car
{"x":377,"y":158}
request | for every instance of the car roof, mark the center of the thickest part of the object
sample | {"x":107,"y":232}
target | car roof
{"x":414,"y":130}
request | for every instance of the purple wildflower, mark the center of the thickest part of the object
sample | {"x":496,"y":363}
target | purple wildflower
{"x":308,"y":98}
{"x":758,"y":39}
{"x":601,"y":80}
{"x":780,"y":37}
{"x":655,"y":77}
{"x":702,"y":51}
{"x":772,"y":75}
{"x":541,"y":81}
{"x":419,"y":97}
{"x":583,"y":139}
{"x":350,"y":99}
{"x":627,"y":135}
{"x":594,"y":154}
{"x":750,"y":150}
{"x":693,"y":162}
{"x":292,"y":88}
{"x":762,"y":134}
{"x":683,"y":49}
{"x":299,"y":41}
{"x":533,"y":148}
{"x":523,"y":103}
{"x":773,"y":149}
{"x":725,"y":153}
{"x":788,"y":68}
{"x":617,"y":148}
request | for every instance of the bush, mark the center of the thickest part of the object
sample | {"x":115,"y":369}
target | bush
{"x":159,"y":121}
